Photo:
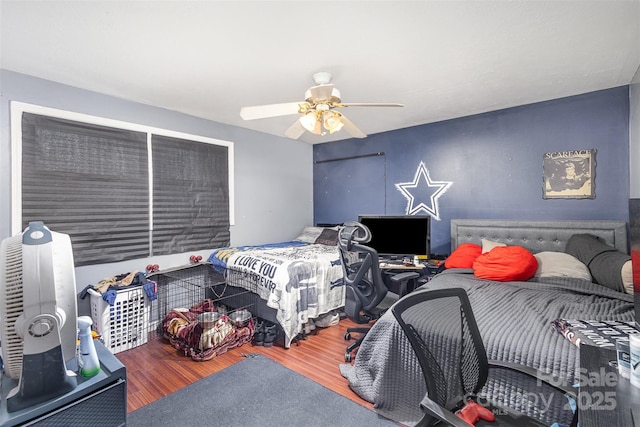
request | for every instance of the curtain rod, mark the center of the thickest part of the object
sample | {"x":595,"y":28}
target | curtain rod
{"x":379,"y":153}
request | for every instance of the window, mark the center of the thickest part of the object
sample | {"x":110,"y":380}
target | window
{"x":121,"y":191}
{"x":190,"y":196}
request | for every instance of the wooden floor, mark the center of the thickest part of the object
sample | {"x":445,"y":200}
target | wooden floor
{"x":156,"y":369}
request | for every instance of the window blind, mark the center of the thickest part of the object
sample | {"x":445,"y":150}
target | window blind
{"x":190,"y":195}
{"x":90,"y":182}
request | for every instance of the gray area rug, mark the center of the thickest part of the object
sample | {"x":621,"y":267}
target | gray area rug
{"x":255,"y":392}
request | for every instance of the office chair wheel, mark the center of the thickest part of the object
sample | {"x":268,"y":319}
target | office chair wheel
{"x":347,"y":357}
{"x":347,"y":336}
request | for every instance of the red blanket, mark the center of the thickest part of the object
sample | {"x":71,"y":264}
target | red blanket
{"x":184,"y":332}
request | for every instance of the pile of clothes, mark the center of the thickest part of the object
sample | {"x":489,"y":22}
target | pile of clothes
{"x":110,"y":286}
{"x":184,"y":332}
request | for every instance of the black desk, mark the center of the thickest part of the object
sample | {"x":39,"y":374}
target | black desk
{"x":401,"y":267}
{"x":605,"y":397}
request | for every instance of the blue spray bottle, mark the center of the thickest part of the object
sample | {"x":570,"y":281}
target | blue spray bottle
{"x":88,"y":358}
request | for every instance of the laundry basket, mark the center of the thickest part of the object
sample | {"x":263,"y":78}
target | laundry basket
{"x":122,"y":325}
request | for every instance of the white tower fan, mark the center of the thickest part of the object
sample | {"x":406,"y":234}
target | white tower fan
{"x":38,"y":314}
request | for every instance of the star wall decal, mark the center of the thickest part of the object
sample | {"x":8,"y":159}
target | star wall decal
{"x":423,"y":193}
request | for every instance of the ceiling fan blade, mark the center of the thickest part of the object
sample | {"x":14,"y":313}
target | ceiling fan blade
{"x":295,"y":131}
{"x":369,"y":104}
{"x":270,"y":110}
{"x":351,"y":128}
{"x":321,"y":91}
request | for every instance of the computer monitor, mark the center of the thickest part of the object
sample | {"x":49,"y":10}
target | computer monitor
{"x":396,"y":236}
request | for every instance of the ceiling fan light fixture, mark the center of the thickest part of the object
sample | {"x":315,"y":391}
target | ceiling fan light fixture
{"x":310,"y":122}
{"x":332,"y":121}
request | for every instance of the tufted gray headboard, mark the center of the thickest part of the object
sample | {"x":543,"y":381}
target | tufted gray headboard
{"x":536,"y":235}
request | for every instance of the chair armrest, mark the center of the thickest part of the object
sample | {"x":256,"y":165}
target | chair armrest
{"x":401,"y":277}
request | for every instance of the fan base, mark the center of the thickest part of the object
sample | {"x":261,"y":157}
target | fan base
{"x":44,"y":376}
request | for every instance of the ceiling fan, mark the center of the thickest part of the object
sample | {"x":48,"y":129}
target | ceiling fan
{"x":318,"y":110}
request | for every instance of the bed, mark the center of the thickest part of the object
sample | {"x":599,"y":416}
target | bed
{"x":514,"y":317}
{"x":289,"y":283}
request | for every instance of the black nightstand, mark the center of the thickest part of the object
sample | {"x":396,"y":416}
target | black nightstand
{"x":97,"y":401}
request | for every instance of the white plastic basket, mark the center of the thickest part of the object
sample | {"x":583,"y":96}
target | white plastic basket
{"x":125,"y":324}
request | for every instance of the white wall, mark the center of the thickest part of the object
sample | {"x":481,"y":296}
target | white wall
{"x":634,"y":137}
{"x":273,"y":176}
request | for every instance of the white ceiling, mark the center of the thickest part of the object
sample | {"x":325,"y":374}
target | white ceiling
{"x":441,"y":59}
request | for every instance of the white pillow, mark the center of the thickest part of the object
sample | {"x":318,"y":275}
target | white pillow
{"x":487,"y":245}
{"x":627,"y":277}
{"x":310,"y":234}
{"x":560,"y":264}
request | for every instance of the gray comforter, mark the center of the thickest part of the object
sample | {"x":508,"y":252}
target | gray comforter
{"x":514,"y":319}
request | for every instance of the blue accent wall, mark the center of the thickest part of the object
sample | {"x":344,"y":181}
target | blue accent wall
{"x":493,"y":162}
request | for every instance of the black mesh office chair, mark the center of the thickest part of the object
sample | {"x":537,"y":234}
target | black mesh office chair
{"x":367,"y":296}
{"x":442,"y":331}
